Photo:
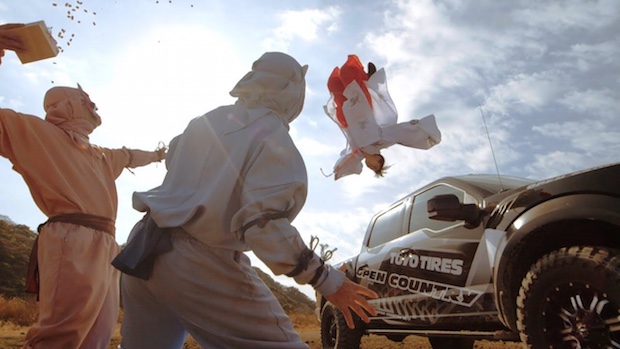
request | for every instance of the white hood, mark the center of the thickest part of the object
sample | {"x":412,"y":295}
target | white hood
{"x":276,"y":81}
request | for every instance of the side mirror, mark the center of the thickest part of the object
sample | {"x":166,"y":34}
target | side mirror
{"x":447,"y":207}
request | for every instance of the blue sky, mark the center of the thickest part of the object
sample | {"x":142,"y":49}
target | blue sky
{"x":545,"y":74}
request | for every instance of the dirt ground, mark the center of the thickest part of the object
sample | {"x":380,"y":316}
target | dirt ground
{"x":13,"y":338}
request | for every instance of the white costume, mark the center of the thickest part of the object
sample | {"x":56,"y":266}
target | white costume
{"x":235,"y":182}
{"x":373,"y":127}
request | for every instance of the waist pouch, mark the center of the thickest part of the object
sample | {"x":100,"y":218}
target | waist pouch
{"x":146,"y":242}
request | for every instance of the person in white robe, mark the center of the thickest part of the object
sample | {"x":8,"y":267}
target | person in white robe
{"x":368,"y":120}
{"x":235,"y":182}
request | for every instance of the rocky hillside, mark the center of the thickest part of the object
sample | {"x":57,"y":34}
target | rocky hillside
{"x":290,"y":298}
{"x":16,"y":241}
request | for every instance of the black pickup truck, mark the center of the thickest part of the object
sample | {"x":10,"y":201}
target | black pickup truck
{"x":488,"y":257}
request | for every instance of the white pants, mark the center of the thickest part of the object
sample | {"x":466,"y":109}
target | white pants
{"x":213,"y":294}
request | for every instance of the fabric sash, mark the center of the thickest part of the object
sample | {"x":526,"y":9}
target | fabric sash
{"x":103,"y":224}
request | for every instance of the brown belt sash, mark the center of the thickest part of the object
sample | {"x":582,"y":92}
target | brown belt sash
{"x":103,"y":224}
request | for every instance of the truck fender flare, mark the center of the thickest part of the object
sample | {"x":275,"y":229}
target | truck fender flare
{"x":587,"y":206}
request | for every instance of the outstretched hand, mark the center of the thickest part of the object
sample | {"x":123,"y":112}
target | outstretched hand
{"x":349,"y":297}
{"x":9,"y":40}
{"x":161,"y":151}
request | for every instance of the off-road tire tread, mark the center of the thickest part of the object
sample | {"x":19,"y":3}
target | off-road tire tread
{"x":601,"y":259}
{"x":346,"y":338}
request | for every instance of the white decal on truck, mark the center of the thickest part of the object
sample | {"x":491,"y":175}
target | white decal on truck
{"x":377,"y":276}
{"x":447,"y":293}
{"x":408,"y":309}
{"x":438,"y":264}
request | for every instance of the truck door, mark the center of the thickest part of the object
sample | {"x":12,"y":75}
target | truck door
{"x":384,"y":233}
{"x":425,"y":270}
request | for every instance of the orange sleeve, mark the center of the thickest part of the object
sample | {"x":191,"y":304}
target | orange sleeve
{"x":15,"y":129}
{"x":336,"y":87}
{"x":352,"y":70}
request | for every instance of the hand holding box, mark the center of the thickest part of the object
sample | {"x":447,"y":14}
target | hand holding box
{"x":38,"y":41}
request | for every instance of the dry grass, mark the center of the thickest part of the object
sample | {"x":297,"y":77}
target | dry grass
{"x":18,"y":311}
{"x":304,"y":320}
{"x":17,"y":314}
{"x":12,"y":337}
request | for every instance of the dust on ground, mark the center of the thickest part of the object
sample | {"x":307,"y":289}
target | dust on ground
{"x":12,"y":337}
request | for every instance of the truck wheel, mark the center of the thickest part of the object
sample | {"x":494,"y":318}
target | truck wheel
{"x":451,"y":343}
{"x":335,"y":334}
{"x":571,"y":299}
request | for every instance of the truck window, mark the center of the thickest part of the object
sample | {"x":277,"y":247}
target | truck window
{"x":387,"y":226}
{"x":419,"y":214}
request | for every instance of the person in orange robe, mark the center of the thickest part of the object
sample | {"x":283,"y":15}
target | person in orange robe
{"x":72,"y":182}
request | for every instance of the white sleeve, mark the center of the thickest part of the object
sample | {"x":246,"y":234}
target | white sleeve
{"x":383,"y":107}
{"x":420,"y":134}
{"x":350,"y":162}
{"x":273,"y":191}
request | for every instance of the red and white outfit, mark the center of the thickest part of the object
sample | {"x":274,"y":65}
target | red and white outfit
{"x":363,"y":109}
{"x":68,"y":178}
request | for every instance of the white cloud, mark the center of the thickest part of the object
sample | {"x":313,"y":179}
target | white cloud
{"x":557,"y":17}
{"x":586,"y":56}
{"x":525,"y":93}
{"x":313,"y":147}
{"x":598,"y":102}
{"x":555,"y":163}
{"x":164,"y":85}
{"x":593,"y":138}
{"x":343,"y":230}
{"x":302,"y":25}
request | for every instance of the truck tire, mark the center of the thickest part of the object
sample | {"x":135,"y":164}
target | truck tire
{"x":571,"y":299}
{"x":451,"y":343}
{"x":335,"y":334}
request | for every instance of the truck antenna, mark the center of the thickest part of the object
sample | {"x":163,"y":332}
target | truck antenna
{"x":491,"y":145}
